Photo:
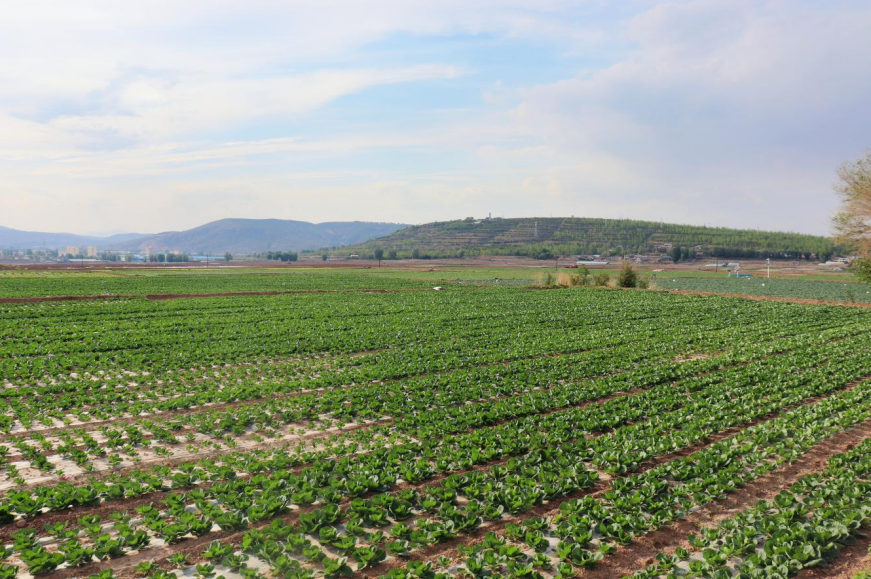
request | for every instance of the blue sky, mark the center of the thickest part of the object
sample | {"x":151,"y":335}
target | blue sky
{"x":130,"y":116}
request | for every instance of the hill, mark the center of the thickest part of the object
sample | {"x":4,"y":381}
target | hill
{"x":538,"y":237}
{"x":246,"y":236}
{"x":18,"y":239}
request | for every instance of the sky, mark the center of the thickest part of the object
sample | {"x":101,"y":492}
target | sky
{"x":120,"y":116}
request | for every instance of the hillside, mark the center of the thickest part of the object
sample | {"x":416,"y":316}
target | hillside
{"x":18,"y":239}
{"x":569,"y":236}
{"x":246,"y":236}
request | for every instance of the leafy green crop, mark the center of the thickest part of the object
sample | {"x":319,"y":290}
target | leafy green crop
{"x":329,"y":434}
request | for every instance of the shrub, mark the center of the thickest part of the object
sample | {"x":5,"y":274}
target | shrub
{"x":568,"y":280}
{"x":601,"y":279}
{"x":627,"y":277}
{"x":545,"y":280}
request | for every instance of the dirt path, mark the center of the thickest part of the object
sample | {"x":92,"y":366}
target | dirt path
{"x":642,"y":551}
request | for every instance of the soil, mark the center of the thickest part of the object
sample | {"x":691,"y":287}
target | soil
{"x":851,"y":560}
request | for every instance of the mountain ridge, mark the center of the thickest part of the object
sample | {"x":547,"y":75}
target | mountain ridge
{"x":234,"y":235}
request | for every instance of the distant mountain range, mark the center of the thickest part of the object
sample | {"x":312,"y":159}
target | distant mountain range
{"x":531,"y":236}
{"x":18,"y":239}
{"x":239,"y":236}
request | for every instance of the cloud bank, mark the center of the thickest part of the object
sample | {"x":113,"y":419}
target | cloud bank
{"x":164,"y":115}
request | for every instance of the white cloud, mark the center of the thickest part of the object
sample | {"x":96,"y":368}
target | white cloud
{"x":738,"y":110}
{"x":717,"y":111}
{"x":149,"y":109}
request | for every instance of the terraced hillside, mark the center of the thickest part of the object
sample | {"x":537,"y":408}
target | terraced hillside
{"x":471,"y":431}
{"x":531,"y":236}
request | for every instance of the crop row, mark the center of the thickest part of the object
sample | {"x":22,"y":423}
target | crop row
{"x":847,"y":291}
{"x":640,"y":503}
{"x":108,"y":400}
{"x":426,"y":417}
{"x":804,"y":526}
{"x":547,"y":475}
{"x":135,"y":336}
{"x":33,"y":284}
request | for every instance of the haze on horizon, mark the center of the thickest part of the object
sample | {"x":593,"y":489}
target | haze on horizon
{"x":131,"y":116}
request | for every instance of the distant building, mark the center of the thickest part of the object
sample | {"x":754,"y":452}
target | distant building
{"x":72,"y":250}
{"x":92,"y":251}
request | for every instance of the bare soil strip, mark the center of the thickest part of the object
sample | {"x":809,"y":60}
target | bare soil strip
{"x":642,"y":551}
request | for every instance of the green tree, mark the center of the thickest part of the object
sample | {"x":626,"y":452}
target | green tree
{"x":379,"y":255}
{"x":228,"y":256}
{"x":324,"y":257}
{"x":627,"y":277}
{"x":391,"y":254}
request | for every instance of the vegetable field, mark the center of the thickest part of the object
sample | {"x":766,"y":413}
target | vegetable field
{"x":836,"y":291}
{"x":475,"y":431}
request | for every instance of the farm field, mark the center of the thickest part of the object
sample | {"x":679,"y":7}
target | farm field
{"x":484,"y":430}
{"x":136,"y":282}
{"x":837,"y":291}
{"x":17,"y":284}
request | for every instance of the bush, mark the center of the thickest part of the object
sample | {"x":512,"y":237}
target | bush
{"x":627,"y":277}
{"x":601,"y":279}
{"x":643,"y":284}
{"x":568,"y":280}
